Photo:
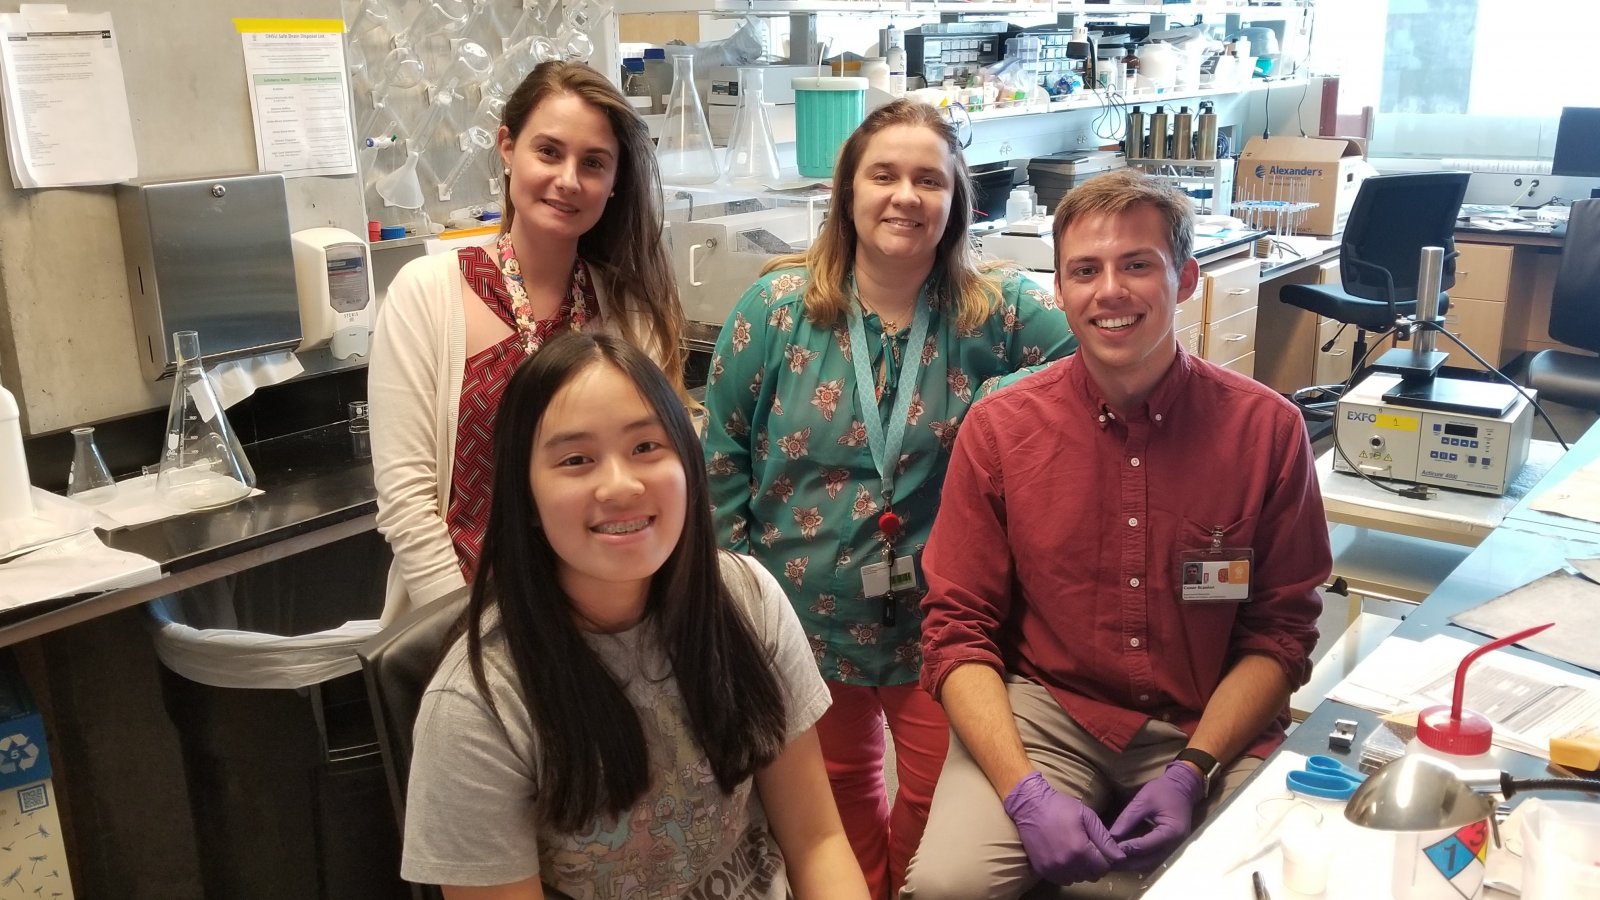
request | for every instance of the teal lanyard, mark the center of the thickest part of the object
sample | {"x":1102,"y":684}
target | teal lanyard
{"x":885,"y":447}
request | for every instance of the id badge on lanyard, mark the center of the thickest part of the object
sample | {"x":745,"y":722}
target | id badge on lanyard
{"x":1216,"y":574}
{"x":895,"y":577}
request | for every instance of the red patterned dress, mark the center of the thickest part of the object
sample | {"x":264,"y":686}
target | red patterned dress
{"x":472,"y":474}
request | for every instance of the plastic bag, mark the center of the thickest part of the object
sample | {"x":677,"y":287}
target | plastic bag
{"x":288,"y":624}
{"x":232,"y":658}
{"x":745,"y":47}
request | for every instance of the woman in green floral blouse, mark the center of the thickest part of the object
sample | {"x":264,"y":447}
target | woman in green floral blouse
{"x":800,"y":476}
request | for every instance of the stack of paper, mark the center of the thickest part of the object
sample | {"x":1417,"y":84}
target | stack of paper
{"x":66,"y":108}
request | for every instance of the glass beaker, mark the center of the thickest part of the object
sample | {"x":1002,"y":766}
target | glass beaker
{"x":202,"y":465}
{"x":752,"y":153}
{"x":684,"y":150}
{"x":88,"y":481}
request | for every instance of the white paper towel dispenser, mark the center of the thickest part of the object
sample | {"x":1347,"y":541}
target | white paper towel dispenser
{"x":333,"y":273}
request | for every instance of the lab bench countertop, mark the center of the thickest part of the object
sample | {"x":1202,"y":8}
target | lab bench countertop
{"x":316,"y":490}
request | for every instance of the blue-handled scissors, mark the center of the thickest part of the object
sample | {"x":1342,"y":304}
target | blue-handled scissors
{"x":1325,"y":777}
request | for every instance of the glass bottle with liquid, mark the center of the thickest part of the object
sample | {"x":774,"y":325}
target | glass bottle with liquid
{"x":684,"y":150}
{"x":203,"y":466}
{"x":88,"y":481}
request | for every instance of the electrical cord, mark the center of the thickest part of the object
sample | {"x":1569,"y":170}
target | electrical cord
{"x":1300,"y":108}
{"x":1503,"y":377}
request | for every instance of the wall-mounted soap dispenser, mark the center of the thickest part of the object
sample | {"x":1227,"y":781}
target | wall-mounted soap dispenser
{"x":333,"y":272}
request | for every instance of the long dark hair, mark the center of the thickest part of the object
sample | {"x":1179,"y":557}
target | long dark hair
{"x":624,"y":249}
{"x":590,"y":754}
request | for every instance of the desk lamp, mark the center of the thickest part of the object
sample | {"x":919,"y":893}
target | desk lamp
{"x":1425,"y":793}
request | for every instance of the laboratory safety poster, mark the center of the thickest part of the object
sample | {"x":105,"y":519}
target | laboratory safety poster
{"x":299,"y":95}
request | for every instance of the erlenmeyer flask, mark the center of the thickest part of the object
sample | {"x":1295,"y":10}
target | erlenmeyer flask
{"x":88,"y":481}
{"x":202,"y":466}
{"x":684,"y":150}
{"x":752,"y":153}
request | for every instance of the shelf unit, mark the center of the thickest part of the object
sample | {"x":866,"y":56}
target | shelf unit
{"x":949,"y":7}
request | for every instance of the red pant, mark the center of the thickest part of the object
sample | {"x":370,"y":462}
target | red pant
{"x":851,"y":732}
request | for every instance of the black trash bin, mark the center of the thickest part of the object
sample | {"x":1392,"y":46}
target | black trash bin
{"x":280,"y":752}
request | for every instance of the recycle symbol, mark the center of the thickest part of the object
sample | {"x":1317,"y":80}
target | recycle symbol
{"x":17,"y":752}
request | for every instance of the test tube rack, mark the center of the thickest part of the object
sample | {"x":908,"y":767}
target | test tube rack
{"x":1209,"y":182}
{"x":1279,"y":204}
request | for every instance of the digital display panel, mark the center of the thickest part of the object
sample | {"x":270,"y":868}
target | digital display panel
{"x":1455,"y":430}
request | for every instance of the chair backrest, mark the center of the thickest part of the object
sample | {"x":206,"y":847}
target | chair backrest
{"x":1575,"y":304}
{"x":1392,"y":219}
{"x":398,"y":664}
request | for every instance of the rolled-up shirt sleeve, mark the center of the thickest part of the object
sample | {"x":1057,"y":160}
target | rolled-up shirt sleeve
{"x":1292,"y":560}
{"x":967,"y":562}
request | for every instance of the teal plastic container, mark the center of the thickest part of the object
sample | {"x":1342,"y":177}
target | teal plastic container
{"x":826,"y":110}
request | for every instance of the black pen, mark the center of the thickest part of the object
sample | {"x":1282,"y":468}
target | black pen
{"x":1260,"y":886}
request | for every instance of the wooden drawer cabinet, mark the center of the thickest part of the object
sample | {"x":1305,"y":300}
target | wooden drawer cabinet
{"x":1193,"y":310}
{"x":1244,"y":365}
{"x":1192,"y":339}
{"x":1483,"y":272}
{"x":1480,"y":324}
{"x":1232,"y":288}
{"x":1231,"y":338}
{"x":1333,"y":367}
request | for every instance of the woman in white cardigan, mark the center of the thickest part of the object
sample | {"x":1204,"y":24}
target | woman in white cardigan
{"x":580,"y":249}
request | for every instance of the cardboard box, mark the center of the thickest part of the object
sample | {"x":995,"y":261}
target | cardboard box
{"x":33,"y":857}
{"x":1324,"y":171}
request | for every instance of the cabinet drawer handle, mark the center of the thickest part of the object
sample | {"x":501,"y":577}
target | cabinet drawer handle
{"x":1233,"y":338}
{"x":1237,"y":291}
{"x":1338,"y":352}
{"x":1462,"y":273}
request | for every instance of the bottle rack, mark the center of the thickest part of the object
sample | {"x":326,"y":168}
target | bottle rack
{"x":1208,"y":181}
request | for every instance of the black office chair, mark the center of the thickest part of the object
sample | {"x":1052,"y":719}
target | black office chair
{"x":1574,"y":316}
{"x":398,"y":664}
{"x":1392,"y":219}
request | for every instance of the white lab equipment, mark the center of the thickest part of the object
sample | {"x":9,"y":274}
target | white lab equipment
{"x":716,"y":259}
{"x":333,"y":275}
{"x":1470,"y":435}
{"x":16,"y":494}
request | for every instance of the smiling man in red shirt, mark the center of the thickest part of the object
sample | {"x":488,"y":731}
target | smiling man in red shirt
{"x":1098,"y":697}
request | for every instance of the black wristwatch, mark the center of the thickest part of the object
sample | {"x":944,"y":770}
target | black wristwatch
{"x":1205,"y":762}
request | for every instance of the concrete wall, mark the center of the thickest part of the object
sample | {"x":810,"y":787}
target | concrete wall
{"x":66,"y":327}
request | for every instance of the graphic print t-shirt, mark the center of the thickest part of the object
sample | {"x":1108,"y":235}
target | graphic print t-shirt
{"x":471,"y":816}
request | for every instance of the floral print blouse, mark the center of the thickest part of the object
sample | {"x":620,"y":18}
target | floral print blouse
{"x":792,"y":477}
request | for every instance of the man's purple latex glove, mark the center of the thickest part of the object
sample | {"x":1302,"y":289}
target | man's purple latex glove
{"x":1167,"y":802}
{"x":1065,"y":840}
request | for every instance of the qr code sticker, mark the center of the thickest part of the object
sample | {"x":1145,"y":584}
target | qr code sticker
{"x":32,"y":799}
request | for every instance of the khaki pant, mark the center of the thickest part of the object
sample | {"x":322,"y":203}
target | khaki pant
{"x":970,"y":849}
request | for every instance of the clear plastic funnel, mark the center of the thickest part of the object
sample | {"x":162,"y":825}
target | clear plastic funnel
{"x":402,"y":187}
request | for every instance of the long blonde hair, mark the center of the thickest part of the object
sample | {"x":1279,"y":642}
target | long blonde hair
{"x":624,"y":249}
{"x":963,"y":284}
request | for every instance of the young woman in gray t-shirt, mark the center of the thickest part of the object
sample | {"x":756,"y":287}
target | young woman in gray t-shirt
{"x":627,"y":711}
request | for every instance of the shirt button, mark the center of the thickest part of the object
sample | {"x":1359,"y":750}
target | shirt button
{"x":1133,"y":523}
{"x":1133,"y":582}
{"x":1158,"y":417}
{"x":1102,"y":417}
{"x":1144,"y":697}
{"x":1133,"y":642}
{"x":1134,"y":462}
